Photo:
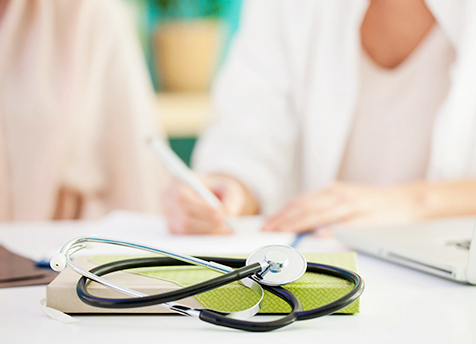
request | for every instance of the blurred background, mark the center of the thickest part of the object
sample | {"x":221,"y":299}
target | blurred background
{"x":184,"y":43}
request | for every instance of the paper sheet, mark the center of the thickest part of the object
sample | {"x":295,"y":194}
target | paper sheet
{"x":152,"y":231}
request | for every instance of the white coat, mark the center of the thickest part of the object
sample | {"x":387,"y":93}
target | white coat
{"x":286,"y":97}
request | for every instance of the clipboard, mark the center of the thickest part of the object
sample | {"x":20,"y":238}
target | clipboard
{"x":18,"y":271}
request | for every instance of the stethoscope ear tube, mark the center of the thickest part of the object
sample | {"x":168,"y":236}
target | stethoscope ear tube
{"x":206,"y":315}
{"x":220,"y":319}
{"x":260,"y":272}
{"x":344,"y":301}
{"x":357,"y":282}
{"x":86,"y":297}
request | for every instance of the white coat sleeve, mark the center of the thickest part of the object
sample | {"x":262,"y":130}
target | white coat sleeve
{"x":253,"y":133}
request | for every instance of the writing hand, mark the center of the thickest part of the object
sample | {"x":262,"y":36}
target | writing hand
{"x":350,"y":204}
{"x":187,"y":213}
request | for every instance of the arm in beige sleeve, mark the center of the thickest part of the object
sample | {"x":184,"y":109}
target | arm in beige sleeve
{"x":133,"y":176}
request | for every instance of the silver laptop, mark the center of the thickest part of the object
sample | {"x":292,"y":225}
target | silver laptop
{"x":446,"y":248}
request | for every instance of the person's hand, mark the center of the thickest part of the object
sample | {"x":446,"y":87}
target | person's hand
{"x":187,"y":213}
{"x":349,"y":204}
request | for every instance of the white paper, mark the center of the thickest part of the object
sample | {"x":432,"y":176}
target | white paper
{"x":152,"y":231}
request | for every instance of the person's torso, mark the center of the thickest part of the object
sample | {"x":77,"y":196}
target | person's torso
{"x":390,"y":138}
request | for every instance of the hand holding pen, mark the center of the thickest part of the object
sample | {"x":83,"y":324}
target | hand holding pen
{"x":205,"y":205}
{"x":187,"y":213}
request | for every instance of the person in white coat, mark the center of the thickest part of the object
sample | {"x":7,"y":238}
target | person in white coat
{"x":340,"y":112}
{"x":76,"y":107}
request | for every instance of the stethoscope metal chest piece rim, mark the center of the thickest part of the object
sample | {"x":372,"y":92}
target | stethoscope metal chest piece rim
{"x":63,"y":259}
{"x":286,"y":264}
{"x":268,"y":268}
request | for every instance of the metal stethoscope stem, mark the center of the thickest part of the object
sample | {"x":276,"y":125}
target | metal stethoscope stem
{"x":63,"y":259}
{"x":266,"y":268}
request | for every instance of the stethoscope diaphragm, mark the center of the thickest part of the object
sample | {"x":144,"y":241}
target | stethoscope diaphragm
{"x":285,"y":264}
{"x":266,"y":268}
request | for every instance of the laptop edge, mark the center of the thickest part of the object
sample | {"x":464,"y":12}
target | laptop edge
{"x":466,"y":274}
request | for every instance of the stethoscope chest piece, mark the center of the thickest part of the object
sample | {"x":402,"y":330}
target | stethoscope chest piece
{"x":285,"y":264}
{"x":271,"y":266}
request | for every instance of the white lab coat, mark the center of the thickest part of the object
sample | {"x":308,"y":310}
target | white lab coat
{"x":286,"y":97}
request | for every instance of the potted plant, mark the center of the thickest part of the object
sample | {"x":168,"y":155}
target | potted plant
{"x":187,"y":43}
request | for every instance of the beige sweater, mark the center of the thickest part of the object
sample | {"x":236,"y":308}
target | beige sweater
{"x":76,"y":106}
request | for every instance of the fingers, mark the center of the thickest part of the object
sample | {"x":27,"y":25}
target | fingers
{"x":187,"y":213}
{"x":226,"y":192}
{"x":235,"y":197}
{"x":309,"y":211}
{"x":310,"y":218}
{"x":325,"y":232}
{"x":308,"y":205}
{"x":184,"y":200}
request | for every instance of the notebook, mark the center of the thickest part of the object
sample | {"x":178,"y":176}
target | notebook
{"x":313,"y":290}
{"x":18,"y":271}
{"x":446,"y":248}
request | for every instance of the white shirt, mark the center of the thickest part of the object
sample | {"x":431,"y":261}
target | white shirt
{"x":391,"y":133}
{"x":286,"y":98}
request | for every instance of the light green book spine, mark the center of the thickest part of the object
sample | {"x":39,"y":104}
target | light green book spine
{"x":313,"y":290}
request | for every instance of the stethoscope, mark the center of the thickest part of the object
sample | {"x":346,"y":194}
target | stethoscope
{"x":267,"y":268}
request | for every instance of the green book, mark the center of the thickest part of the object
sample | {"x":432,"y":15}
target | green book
{"x":313,"y":290}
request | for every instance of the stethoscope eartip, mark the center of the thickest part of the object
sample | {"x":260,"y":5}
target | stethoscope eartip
{"x":272,"y":265}
{"x":58,"y":262}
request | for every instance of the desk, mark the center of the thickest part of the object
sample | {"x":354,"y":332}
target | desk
{"x":399,"y":305}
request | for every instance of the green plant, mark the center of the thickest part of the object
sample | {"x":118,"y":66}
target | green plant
{"x":190,"y":8}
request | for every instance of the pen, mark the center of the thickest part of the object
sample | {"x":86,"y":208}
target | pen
{"x":297,"y":239}
{"x":178,"y":168}
{"x":43,"y":263}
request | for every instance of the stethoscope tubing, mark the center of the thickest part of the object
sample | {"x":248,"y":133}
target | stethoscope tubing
{"x":206,"y":315}
{"x":150,"y":300}
{"x":220,"y":318}
{"x":342,"y":302}
{"x":63,"y":259}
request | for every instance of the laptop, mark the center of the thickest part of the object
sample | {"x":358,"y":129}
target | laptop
{"x":445,"y":248}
